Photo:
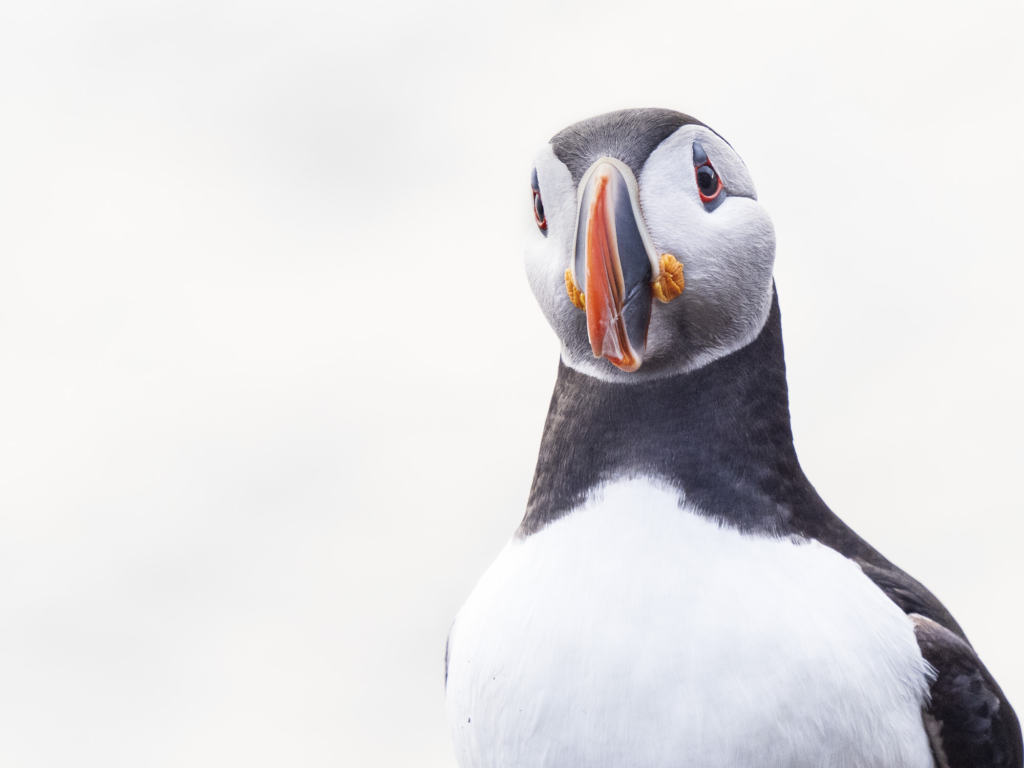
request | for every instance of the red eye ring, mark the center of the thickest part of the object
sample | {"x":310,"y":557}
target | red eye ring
{"x":708,"y":179}
{"x":538,"y":211}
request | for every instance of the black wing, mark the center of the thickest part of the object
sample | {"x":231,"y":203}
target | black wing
{"x":969,"y":721}
{"x":908,"y":593}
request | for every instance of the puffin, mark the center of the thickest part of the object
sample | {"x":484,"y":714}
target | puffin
{"x":678,"y":594}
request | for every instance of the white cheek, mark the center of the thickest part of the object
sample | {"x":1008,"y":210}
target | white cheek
{"x":559,"y":197}
{"x":548,"y":256}
{"x":735,"y":242}
{"x":543,"y":271}
{"x":677,"y":220}
{"x":727,"y":254}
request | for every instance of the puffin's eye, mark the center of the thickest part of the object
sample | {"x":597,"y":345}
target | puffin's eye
{"x":707,"y":181}
{"x":538,"y":204}
{"x":709,"y":184}
{"x":538,"y":210}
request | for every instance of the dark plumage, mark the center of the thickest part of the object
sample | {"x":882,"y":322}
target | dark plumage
{"x":629,"y":135}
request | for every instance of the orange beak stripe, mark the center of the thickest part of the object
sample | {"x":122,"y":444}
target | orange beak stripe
{"x":605,"y":289}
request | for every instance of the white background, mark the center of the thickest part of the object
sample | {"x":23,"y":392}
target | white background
{"x":272,"y":382}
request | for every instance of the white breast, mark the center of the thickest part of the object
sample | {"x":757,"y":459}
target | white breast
{"x":633,"y":632}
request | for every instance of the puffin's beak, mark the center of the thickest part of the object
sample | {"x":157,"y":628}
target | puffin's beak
{"x":613,"y":261}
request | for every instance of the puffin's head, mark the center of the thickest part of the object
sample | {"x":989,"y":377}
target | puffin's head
{"x":652,"y":255}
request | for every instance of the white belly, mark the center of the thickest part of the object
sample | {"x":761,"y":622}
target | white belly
{"x":634,"y":633}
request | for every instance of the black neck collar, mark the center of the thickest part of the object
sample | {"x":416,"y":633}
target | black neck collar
{"x":720,"y":435}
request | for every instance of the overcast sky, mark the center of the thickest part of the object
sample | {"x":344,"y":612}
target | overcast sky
{"x":273,"y":382}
